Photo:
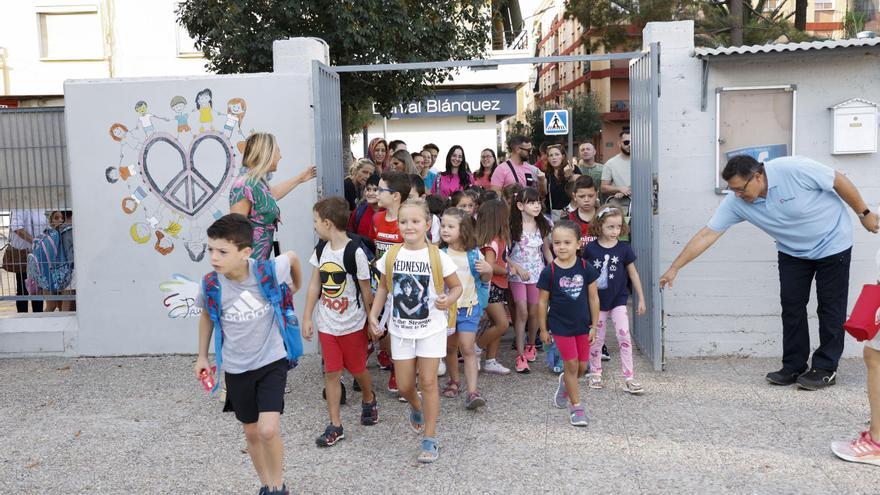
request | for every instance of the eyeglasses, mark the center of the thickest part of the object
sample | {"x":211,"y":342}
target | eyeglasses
{"x":523,"y":148}
{"x":744,"y":186}
{"x":626,"y":143}
{"x":384,"y":189}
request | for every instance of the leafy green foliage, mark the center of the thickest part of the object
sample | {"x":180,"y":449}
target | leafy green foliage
{"x":760,"y":25}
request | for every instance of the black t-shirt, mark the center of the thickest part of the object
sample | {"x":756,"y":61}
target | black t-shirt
{"x":557,"y":198}
{"x":569,"y":313}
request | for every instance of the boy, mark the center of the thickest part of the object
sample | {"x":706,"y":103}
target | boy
{"x":254,"y":357}
{"x":394,"y":189}
{"x":360,"y":221}
{"x":583,"y":195}
{"x":341,"y":318}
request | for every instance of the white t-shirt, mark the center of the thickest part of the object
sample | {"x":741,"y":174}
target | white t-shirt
{"x":32,"y":221}
{"x":414,"y":315}
{"x":434,"y":237}
{"x":338,"y":312}
{"x":468,"y":296}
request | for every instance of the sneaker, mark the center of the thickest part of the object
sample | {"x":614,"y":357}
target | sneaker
{"x":557,"y":369}
{"x":782,"y":377}
{"x":596,"y":381}
{"x":539,"y":345}
{"x":605,"y":355}
{"x":560,"y":398}
{"x":863,"y":449}
{"x":494,"y":367}
{"x":816,"y":379}
{"x":384,"y":360}
{"x":281,"y":491}
{"x":578,"y":416}
{"x":392,"y":383}
{"x":474,"y":401}
{"x":441,"y":370}
{"x":522,"y":365}
{"x":264,"y":490}
{"x":530,"y":353}
{"x":370,"y":412}
{"x":331,"y":435}
{"x":633,"y":387}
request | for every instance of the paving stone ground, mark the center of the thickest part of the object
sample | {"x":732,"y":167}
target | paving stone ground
{"x":142,"y":425}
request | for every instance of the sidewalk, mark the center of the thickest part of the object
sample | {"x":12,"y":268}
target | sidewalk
{"x":143,"y":425}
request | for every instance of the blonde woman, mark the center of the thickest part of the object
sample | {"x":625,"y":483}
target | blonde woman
{"x":252,"y":196}
{"x":354,"y":184}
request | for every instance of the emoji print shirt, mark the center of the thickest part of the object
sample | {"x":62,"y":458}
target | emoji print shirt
{"x":569,"y":313}
{"x":338,"y":312}
{"x":611,"y":264}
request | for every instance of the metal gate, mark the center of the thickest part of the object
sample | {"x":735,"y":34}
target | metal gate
{"x":328,"y":130}
{"x":644,"y":92}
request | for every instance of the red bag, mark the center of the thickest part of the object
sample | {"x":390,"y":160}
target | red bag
{"x":864,"y":321}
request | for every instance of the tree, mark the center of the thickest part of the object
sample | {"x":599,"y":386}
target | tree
{"x":619,"y":23}
{"x":236,"y":36}
{"x":586,"y":121}
{"x":759,"y":25}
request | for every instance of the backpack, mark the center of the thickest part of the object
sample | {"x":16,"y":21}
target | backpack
{"x":359,"y":212}
{"x":349,"y":260}
{"x":48,"y":263}
{"x":278,"y":295}
{"x":482,"y":287}
{"x":436,"y":268}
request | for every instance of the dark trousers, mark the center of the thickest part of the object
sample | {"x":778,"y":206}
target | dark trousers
{"x":832,"y":283}
{"x":21,"y":290}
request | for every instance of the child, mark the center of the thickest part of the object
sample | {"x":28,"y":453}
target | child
{"x":361,"y":220}
{"x":584,"y":195}
{"x":465,"y":200}
{"x":529,"y":248}
{"x":436,"y":205}
{"x":615,"y":261}
{"x":569,"y":303}
{"x":393,"y":190}
{"x":457,"y":231}
{"x":341,"y":318}
{"x":493,"y":233}
{"x":417,"y":341}
{"x":254,"y":357}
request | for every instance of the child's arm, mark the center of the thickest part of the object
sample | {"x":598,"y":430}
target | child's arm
{"x":366,"y":293}
{"x":485,"y":269}
{"x":312,"y":294}
{"x":295,"y":271}
{"x":376,"y":307}
{"x":637,"y":285}
{"x":453,"y":286}
{"x":206,"y":328}
{"x":491,"y":259}
{"x":543,"y":305}
{"x":548,"y":254}
{"x":593,"y":295}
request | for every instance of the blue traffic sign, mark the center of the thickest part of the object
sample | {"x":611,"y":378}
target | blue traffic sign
{"x":555,"y":122}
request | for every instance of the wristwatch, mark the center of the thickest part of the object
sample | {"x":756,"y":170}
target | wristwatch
{"x":865,"y":213}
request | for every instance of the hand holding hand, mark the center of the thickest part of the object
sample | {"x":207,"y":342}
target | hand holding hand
{"x":374,"y":326}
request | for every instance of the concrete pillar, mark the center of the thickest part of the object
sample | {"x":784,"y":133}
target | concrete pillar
{"x":296,"y":54}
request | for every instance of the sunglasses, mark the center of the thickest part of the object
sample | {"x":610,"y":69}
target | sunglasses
{"x":337,"y":277}
{"x":626,"y":143}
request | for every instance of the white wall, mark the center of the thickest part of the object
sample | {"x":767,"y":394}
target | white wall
{"x":727,"y":302}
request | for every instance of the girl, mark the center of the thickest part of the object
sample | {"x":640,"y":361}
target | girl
{"x":559,"y":173}
{"x":465,"y":200}
{"x":529,"y":248}
{"x":493,"y":234}
{"x":235,"y":111}
{"x":569,"y":303}
{"x":417,"y":341}
{"x":401,"y":161}
{"x":615,"y":262}
{"x":457,"y":176}
{"x":205,"y":107}
{"x":457,"y":232}
{"x":488,"y":162}
{"x":423,"y":165}
{"x":354,"y":184}
{"x":251,"y":195}
{"x":377,"y":151}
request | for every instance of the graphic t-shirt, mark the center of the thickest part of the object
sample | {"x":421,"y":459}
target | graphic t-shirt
{"x":385,"y":233}
{"x":468,"y":296}
{"x":529,"y":254}
{"x":414,"y":315}
{"x":569,"y":312}
{"x":338,"y":312}
{"x":586,"y":238}
{"x":251,"y":336}
{"x":611,"y":264}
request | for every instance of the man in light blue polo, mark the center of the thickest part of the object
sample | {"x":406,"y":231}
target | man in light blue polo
{"x":800,"y":203}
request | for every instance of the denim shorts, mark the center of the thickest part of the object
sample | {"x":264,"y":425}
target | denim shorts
{"x":465,"y":322}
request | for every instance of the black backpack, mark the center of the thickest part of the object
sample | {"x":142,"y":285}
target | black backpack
{"x":349,"y":261}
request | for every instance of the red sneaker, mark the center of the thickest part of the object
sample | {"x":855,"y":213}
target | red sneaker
{"x":392,"y":383}
{"x":522,"y":365}
{"x":384,"y":360}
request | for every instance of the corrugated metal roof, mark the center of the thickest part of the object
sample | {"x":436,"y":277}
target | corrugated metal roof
{"x":712,"y":53}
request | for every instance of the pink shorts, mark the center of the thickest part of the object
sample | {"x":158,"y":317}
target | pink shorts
{"x":576,"y":347}
{"x":522,"y":291}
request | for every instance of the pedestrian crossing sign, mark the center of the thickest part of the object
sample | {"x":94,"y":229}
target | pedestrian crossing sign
{"x":555,"y":122}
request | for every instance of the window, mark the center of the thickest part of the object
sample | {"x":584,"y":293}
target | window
{"x":186,"y":46}
{"x":825,"y":5}
{"x":770,"y":5}
{"x":70,"y":32}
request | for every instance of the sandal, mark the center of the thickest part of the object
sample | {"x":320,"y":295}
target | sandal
{"x":450,"y":391}
{"x":416,"y":420}
{"x":430,"y":452}
{"x":596,"y":381}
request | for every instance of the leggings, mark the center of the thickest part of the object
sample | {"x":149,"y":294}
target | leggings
{"x":621,"y":323}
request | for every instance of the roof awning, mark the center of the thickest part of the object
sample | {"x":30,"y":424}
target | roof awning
{"x":738,"y":52}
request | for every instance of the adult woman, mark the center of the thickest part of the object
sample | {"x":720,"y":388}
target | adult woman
{"x":428,"y":175}
{"x":488,"y":162}
{"x":560,"y":171}
{"x":251,"y":195}
{"x":401,"y":161}
{"x":457,"y":176}
{"x":378,"y":152}
{"x":358,"y":174}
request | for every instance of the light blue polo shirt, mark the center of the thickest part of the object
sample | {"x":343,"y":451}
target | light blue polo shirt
{"x":801,"y":211}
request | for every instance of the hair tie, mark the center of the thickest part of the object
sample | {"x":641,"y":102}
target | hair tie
{"x":605,"y":211}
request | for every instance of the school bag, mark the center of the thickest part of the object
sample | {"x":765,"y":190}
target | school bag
{"x":349,"y":260}
{"x":48,"y":263}
{"x":436,"y":275}
{"x":278,"y":295}
{"x":482,"y":287}
{"x":359,"y":212}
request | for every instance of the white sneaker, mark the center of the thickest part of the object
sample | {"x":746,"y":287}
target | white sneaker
{"x":496,"y":368}
{"x":441,"y":370}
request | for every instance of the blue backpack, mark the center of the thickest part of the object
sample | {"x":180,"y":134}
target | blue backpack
{"x":48,"y":263}
{"x":278,"y":295}
{"x":482,"y":287}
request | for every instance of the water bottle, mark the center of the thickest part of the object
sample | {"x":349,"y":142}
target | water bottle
{"x":207,"y":379}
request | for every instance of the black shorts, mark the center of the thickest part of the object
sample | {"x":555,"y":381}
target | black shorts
{"x":497,"y":295}
{"x":255,"y":391}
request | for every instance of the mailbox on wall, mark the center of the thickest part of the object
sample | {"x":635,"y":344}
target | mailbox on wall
{"x":854,"y":124}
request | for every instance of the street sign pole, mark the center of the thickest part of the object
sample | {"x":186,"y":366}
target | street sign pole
{"x":570,"y":135}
